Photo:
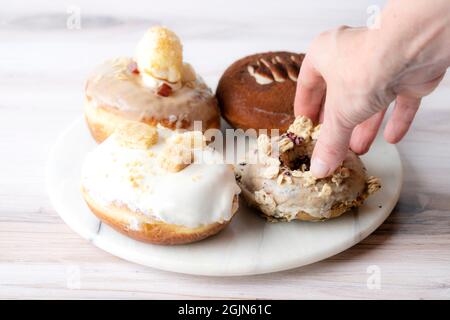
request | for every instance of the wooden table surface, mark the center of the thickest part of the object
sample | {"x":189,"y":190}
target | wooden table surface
{"x":44,"y":60}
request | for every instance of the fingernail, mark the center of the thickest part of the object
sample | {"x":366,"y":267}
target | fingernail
{"x":319,"y":168}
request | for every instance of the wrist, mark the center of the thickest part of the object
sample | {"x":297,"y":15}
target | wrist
{"x":412,"y":37}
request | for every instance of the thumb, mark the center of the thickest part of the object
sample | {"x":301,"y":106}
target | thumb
{"x":332,"y":146}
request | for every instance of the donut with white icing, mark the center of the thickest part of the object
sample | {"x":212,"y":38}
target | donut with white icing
{"x":154,"y":87}
{"x":275,"y":178}
{"x":158,"y":185}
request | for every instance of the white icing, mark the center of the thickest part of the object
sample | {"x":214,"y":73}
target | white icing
{"x":201,"y":193}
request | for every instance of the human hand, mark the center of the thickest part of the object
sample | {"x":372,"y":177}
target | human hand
{"x":348,"y":79}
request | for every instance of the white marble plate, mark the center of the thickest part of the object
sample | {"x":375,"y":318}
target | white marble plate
{"x":248,"y":246}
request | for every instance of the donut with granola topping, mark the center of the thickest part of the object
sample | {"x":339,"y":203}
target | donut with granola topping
{"x":275,"y":178}
{"x":156,"y":87}
{"x":158,"y":185}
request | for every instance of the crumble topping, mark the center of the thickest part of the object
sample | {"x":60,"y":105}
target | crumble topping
{"x":282,"y":186}
{"x":136,"y":135}
{"x":373,"y":184}
{"x":179,"y":151}
{"x":264,"y":145}
{"x":302,"y":127}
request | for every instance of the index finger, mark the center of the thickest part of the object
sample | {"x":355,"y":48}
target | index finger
{"x":311,"y":89}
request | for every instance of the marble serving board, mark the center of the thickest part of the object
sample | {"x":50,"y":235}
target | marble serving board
{"x":249,"y":245}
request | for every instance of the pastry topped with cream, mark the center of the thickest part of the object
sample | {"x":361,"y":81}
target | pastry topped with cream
{"x":154,"y":87}
{"x":275,"y":178}
{"x":159,"y":55}
{"x":159,"y":185}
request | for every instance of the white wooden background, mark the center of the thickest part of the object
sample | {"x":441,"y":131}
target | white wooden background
{"x":43,"y":65}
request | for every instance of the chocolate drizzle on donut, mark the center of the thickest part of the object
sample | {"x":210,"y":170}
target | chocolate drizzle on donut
{"x":266,"y":70}
{"x":261,"y":73}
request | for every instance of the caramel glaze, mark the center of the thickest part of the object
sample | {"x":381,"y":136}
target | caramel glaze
{"x":116,"y":89}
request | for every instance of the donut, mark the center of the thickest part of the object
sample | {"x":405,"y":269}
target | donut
{"x":156,"y":87}
{"x":159,"y":185}
{"x":258,"y":91}
{"x":275,"y":178}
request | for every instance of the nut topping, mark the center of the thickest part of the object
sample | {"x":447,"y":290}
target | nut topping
{"x":164,"y":90}
{"x":302,"y":127}
{"x":136,"y":135}
{"x":133,"y":68}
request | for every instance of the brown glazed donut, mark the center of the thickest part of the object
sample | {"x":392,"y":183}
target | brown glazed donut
{"x":258,"y":91}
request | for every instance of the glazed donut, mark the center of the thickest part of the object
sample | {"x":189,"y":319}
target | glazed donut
{"x":158,"y":185}
{"x":275,"y":178}
{"x":155,"y":87}
{"x":257,"y":92}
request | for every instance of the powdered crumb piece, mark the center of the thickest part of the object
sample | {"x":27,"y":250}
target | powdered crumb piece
{"x":190,"y":139}
{"x":175,"y":157}
{"x":178,"y":153}
{"x":301,"y":127}
{"x":271,"y":168}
